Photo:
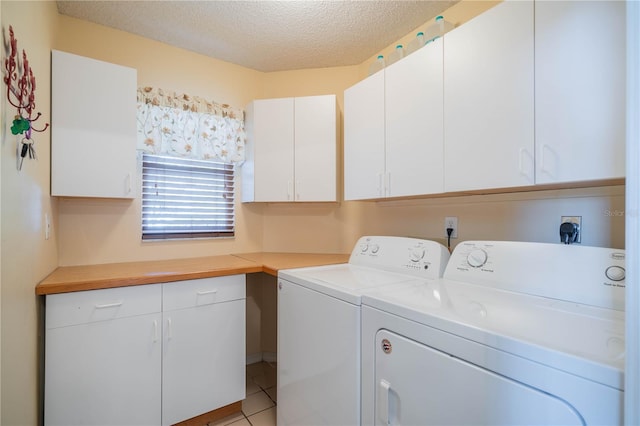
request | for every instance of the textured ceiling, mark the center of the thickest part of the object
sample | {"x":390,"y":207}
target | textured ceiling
{"x":267,"y":35}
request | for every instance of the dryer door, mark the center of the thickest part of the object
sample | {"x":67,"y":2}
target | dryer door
{"x":416,"y":384}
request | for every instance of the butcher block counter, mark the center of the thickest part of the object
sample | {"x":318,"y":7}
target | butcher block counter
{"x":66,"y":279}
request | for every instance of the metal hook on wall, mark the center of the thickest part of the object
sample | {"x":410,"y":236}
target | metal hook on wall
{"x":21,"y":87}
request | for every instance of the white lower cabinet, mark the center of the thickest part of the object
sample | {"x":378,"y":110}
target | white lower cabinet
{"x":113,"y":357}
{"x":203,"y":347}
{"x":103,"y":357}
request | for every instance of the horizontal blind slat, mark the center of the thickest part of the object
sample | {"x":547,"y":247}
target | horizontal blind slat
{"x":184,"y":198}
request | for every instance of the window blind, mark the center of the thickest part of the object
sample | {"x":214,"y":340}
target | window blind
{"x":185,"y":198}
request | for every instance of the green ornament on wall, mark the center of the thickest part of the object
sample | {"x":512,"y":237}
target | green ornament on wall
{"x":20,"y":125}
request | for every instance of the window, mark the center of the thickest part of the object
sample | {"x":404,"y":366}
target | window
{"x":186,"y":198}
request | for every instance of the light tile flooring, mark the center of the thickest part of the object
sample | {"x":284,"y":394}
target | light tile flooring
{"x":259,"y":407}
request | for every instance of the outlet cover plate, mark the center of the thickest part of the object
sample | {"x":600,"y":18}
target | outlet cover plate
{"x":451,"y":222}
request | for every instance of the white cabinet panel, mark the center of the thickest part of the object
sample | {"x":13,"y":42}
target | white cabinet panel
{"x":414,"y":123}
{"x":393,"y":129}
{"x":203,"y":347}
{"x":580,"y":90}
{"x":103,"y":371}
{"x":291,"y":150}
{"x":83,"y":307}
{"x":145,"y":355}
{"x":364,"y":139}
{"x":272,"y":139}
{"x":205,"y":291}
{"x":93,"y":128}
{"x":488,"y":100}
{"x":315,"y":148}
{"x":203,"y":360}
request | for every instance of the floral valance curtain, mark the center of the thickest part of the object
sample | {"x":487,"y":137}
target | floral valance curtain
{"x":186,"y":126}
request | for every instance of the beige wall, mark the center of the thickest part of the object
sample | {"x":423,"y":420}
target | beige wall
{"x":101,"y":231}
{"x":27,"y":256}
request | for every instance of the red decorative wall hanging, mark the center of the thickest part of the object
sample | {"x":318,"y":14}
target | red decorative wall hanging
{"x":21,"y":87}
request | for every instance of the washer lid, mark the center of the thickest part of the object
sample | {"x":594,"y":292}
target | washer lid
{"x":344,"y":281}
{"x":583,"y":340}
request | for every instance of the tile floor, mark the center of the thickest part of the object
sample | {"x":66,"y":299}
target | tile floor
{"x":259,"y":407}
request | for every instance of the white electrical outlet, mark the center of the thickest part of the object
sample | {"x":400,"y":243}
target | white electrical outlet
{"x":451,"y":222}
{"x":574,"y":219}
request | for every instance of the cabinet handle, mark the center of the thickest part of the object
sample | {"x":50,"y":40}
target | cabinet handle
{"x":383,"y":402}
{"x":109,"y":305}
{"x":543,"y":163}
{"x":289,"y":189}
{"x":522,"y":153}
{"x":127,"y":184}
{"x":155,"y":331}
{"x":380,"y":184}
{"x":387,"y":187}
{"x":202,"y":293}
{"x":169,"y":329}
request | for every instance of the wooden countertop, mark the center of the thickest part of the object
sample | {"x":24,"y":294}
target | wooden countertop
{"x":67,"y":279}
{"x":273,"y":262}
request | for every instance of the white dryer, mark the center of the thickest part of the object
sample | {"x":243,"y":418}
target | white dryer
{"x":319,"y":325}
{"x":515,"y":333}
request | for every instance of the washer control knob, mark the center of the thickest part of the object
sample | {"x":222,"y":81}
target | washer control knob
{"x":375,"y":248}
{"x":417,"y":254}
{"x":476,"y":258}
{"x":615,"y":273}
{"x":364,"y":247}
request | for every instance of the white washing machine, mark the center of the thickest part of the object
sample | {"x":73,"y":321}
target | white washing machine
{"x":319,"y":325}
{"x":514,"y":333}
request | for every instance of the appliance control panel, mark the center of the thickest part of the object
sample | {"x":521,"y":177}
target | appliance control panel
{"x":413,"y":256}
{"x":587,"y":275}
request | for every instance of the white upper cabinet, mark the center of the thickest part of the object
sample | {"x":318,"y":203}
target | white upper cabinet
{"x":488,"y":100}
{"x":315,"y":148}
{"x":93,"y":128}
{"x":291,"y":150}
{"x":364,"y":136}
{"x":580,"y":90}
{"x":413,"y":123}
{"x":393,"y":129}
{"x":269,"y":151}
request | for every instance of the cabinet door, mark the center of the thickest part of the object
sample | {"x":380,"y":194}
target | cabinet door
{"x":104,"y":373}
{"x":488,"y":100}
{"x":103,"y":357}
{"x":414,"y":127}
{"x":93,"y":128}
{"x":315,"y":148}
{"x":580,"y":90}
{"x":273,"y":139}
{"x":364,"y":135}
{"x":203,"y":346}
